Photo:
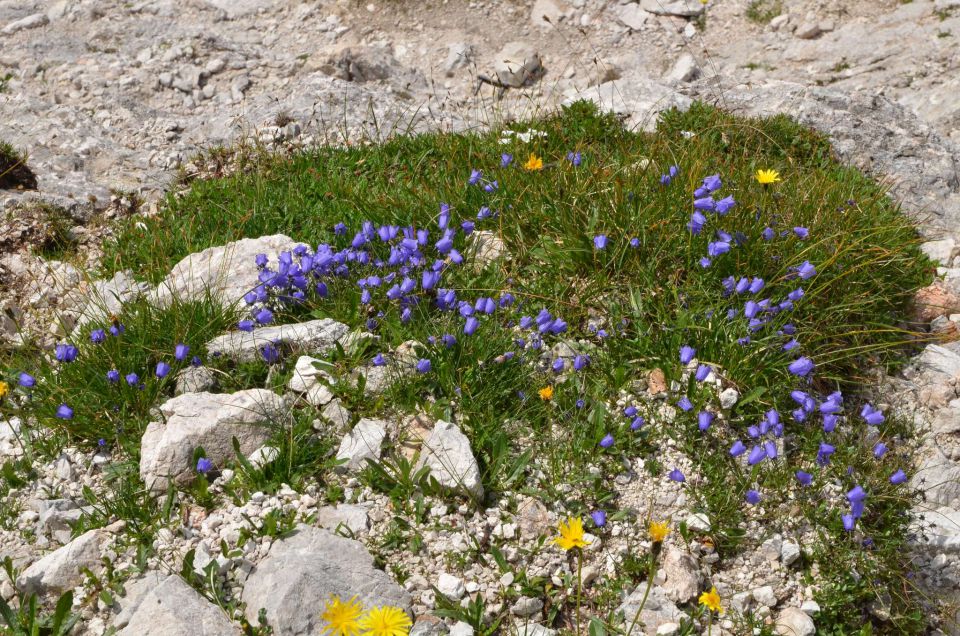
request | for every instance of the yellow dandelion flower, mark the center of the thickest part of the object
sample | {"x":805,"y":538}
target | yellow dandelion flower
{"x":571,"y":534}
{"x":343,"y":619}
{"x":546,"y":393}
{"x":533,"y":163}
{"x":659,"y":530}
{"x":711,"y":600}
{"x":767,"y":176}
{"x":385,"y":621}
{"x":4,"y":389}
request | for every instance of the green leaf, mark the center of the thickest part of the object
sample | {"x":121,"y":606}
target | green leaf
{"x":62,"y":611}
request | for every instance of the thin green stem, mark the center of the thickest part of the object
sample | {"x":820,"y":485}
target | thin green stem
{"x":646,"y":592}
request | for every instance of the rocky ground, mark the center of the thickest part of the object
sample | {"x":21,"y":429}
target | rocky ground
{"x":112,"y":99}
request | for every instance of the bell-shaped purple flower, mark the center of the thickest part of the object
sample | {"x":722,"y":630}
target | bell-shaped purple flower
{"x":752,"y":497}
{"x":802,"y":366}
{"x":757,"y":455}
{"x":64,"y":412}
{"x":676,"y":475}
{"x":423,"y":365}
{"x":607,"y":441}
{"x":804,"y":478}
{"x":686,"y":354}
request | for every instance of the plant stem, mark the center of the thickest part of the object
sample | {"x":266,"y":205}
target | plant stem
{"x":646,"y":593}
{"x":579,"y":585}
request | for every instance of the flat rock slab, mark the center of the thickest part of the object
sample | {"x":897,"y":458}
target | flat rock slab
{"x":209,"y":420}
{"x":681,"y":8}
{"x":61,"y":569}
{"x":314,"y":336}
{"x":225,"y":272}
{"x":638,"y":99}
{"x":164,"y":605}
{"x":300,"y":574}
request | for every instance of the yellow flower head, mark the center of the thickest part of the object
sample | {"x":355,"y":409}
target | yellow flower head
{"x":533,"y":163}
{"x":767,"y":176}
{"x":546,"y":393}
{"x":571,"y":534}
{"x":4,"y":389}
{"x":659,"y":530}
{"x":711,"y":600}
{"x":385,"y":621}
{"x":343,"y":619}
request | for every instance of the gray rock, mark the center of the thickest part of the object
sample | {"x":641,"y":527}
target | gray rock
{"x":636,"y":98}
{"x":547,"y":14}
{"x":158,"y":605}
{"x":363,"y":443}
{"x":518,"y":64}
{"x":808,"y":31}
{"x":486,"y":247}
{"x":681,"y":8}
{"x":234,"y":9}
{"x":451,"y":586}
{"x":354,"y":518}
{"x":226,"y":272}
{"x":61,"y":569}
{"x":459,"y":55}
{"x":790,"y":552}
{"x":535,"y":629}
{"x":938,"y":477}
{"x":631,"y":15}
{"x":461,"y":629}
{"x":337,"y":414}
{"x":684,"y":69}
{"x":205,"y":420}
{"x":765,"y":596}
{"x":107,"y":297}
{"x":526,"y":606}
{"x":942,"y":533}
{"x":321,"y":395}
{"x":314,"y":336}
{"x":195,"y":380}
{"x":771,"y":548}
{"x":305,"y":374}
{"x":302,"y":572}
{"x":30,"y":22}
{"x":794,"y":622}
{"x":447,"y":453}
{"x":940,"y":251}
{"x":874,"y":134}
{"x":940,"y":359}
{"x":729,"y":398}
{"x":947,"y":420}
{"x":263,"y":456}
{"x":657,"y":610}
{"x":368,"y":64}
{"x":683,"y":575}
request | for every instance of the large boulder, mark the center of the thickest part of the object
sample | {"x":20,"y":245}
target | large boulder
{"x":314,"y":336}
{"x":300,"y":574}
{"x":61,"y":570}
{"x":447,"y":453}
{"x":871,"y":132}
{"x":163,"y":604}
{"x":210,"y":420}
{"x":225,"y":272}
